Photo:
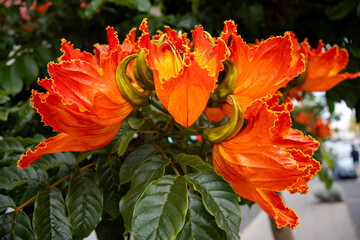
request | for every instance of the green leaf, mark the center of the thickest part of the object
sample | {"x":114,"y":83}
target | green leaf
{"x":199,"y":223}
{"x":84,"y":202}
{"x":148,"y":171}
{"x":120,"y":143}
{"x":160,"y":211}
{"x":13,"y":176}
{"x":6,"y":202}
{"x":341,"y":10}
{"x":53,"y":160}
{"x":11,"y":145}
{"x":135,"y":123}
{"x":220,"y":200}
{"x":195,"y":162}
{"x":10,"y":79}
{"x":141,"y":5}
{"x":4,"y":99}
{"x":133,"y":160}
{"x":49,"y":219}
{"x":108,"y":168}
{"x":15,"y":225}
{"x":27,"y":68}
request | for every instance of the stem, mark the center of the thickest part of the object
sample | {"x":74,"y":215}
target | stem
{"x":175,"y":170}
{"x":51,"y":186}
{"x":172,"y":164}
{"x":159,"y":107}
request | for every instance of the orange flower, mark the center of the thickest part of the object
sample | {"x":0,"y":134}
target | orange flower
{"x":263,"y":68}
{"x":323,"y":67}
{"x":320,"y":129}
{"x":183,"y":78}
{"x":266,"y":157}
{"x":82,"y":101}
{"x":304,"y":118}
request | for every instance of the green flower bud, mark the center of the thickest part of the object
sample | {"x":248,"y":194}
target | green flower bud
{"x":229,"y":129}
{"x":131,"y":94}
{"x":142,"y":73}
{"x":226,"y":86}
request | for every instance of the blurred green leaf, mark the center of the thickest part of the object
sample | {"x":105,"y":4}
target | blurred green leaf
{"x":84,"y":202}
{"x":141,"y":5}
{"x":199,"y":223}
{"x":220,"y":200}
{"x":15,"y":225}
{"x":49,"y":219}
{"x":153,"y":168}
{"x":13,"y":176}
{"x":133,"y":160}
{"x":6,"y":202}
{"x":160,"y":211}
{"x":108,"y":168}
{"x":10,"y":79}
{"x":341,"y":10}
{"x":11,"y":145}
{"x":27,"y":68}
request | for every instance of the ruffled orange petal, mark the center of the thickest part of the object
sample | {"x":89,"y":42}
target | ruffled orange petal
{"x":264,"y":68}
{"x":65,"y":142}
{"x":323,"y":67}
{"x":184,"y":98}
{"x":183,"y":78}
{"x":82,"y":101}
{"x":267,"y":156}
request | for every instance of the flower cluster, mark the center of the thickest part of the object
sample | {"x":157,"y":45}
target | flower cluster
{"x":89,"y":96}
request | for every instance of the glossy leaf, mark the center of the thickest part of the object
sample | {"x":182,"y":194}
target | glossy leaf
{"x":195,"y":162}
{"x":53,"y":160}
{"x":5,"y":202}
{"x":49,"y":219}
{"x":120,"y":143}
{"x":150,"y":170}
{"x":199,"y":223}
{"x":15,"y":225}
{"x":133,"y":160}
{"x":13,"y":176}
{"x":11,"y":145}
{"x":84,"y":202}
{"x":160,"y":211}
{"x":108,"y":168}
{"x":220,"y":200}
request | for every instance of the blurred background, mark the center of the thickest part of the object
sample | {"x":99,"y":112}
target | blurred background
{"x":31,"y":33}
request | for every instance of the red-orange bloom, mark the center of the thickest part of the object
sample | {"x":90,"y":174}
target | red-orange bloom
{"x":263,"y":68}
{"x":323,"y":67}
{"x":320,"y":129}
{"x":82,"y":101}
{"x":268,"y":156}
{"x":183,"y":78}
{"x":304,"y":118}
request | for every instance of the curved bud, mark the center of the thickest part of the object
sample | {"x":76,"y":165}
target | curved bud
{"x":131,"y":94}
{"x":142,"y":73}
{"x":229,"y":129}
{"x":208,"y":35}
{"x":227,"y":85}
